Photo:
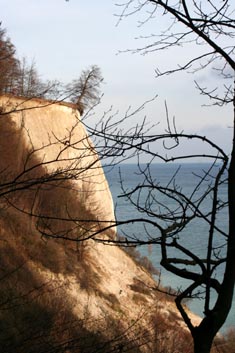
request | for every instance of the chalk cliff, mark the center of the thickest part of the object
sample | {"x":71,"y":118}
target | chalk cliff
{"x":58,"y":295}
{"x":51,"y":143}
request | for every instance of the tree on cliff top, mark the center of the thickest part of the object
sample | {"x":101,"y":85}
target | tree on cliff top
{"x":9,"y":65}
{"x":21,"y":78}
{"x":18,"y":77}
{"x":85,"y":91}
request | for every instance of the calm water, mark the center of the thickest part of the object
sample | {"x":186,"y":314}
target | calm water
{"x":127,"y":177}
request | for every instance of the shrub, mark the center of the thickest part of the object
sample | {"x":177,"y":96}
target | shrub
{"x":139,"y":259}
{"x":168,"y":336}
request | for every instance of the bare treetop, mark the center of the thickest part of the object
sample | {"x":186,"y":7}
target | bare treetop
{"x":208,"y":24}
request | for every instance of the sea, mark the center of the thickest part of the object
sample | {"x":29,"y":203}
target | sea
{"x":192,"y":179}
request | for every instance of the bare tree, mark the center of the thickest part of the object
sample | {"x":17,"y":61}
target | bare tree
{"x":9,"y":64}
{"x":85,"y":91}
{"x":29,"y":83}
{"x":211,"y":26}
{"x":21,"y":78}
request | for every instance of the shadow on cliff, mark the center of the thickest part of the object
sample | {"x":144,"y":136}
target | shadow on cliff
{"x":35,"y":313}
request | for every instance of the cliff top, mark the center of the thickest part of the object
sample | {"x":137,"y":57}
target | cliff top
{"x":41,"y":101}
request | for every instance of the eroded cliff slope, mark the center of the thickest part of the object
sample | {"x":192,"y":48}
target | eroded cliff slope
{"x":58,"y":295}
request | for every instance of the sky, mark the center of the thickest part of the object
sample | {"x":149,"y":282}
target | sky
{"x":65,"y":37}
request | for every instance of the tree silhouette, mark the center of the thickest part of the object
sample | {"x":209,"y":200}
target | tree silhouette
{"x":209,"y":27}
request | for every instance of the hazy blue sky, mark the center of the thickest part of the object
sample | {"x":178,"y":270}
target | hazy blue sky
{"x":66,"y":37}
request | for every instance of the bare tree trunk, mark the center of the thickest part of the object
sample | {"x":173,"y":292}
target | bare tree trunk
{"x":202,"y":346}
{"x":202,"y":341}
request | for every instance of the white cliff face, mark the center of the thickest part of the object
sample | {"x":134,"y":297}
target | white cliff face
{"x":54,"y":136}
{"x":97,"y":286}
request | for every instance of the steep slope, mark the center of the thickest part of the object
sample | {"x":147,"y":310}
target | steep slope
{"x":44,"y":143}
{"x":58,"y":295}
{"x":54,"y":298}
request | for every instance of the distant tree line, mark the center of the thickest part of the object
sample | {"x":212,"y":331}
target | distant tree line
{"x":21,"y":78}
